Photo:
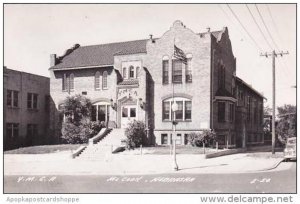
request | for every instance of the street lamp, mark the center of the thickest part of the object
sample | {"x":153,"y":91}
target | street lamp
{"x":174,"y":123}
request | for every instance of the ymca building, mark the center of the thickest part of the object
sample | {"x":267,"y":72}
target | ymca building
{"x":139,"y":80}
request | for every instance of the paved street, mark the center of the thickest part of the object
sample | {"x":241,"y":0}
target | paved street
{"x":279,"y":181}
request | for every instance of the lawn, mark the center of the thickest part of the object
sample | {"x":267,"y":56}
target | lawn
{"x":184,"y":149}
{"x":44,"y":149}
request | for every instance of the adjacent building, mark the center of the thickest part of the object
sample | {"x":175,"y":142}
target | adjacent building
{"x":26,"y":109}
{"x":141,"y":79}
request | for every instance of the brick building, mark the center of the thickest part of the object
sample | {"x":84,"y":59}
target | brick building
{"x":26,"y":109}
{"x":139,"y":80}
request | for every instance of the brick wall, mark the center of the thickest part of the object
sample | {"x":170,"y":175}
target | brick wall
{"x":27,"y":83}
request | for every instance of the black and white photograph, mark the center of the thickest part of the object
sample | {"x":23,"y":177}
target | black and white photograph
{"x":150,"y":99}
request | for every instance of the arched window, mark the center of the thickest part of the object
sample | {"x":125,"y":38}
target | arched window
{"x":104,"y":80}
{"x":97,"y":80}
{"x":184,"y":112}
{"x":131,"y":72}
{"x":137,"y":72}
{"x":71,"y":82}
{"x":124,"y":72}
{"x":165,"y":70}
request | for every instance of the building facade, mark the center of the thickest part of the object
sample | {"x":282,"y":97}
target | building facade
{"x":26,"y":109}
{"x":140,"y":80}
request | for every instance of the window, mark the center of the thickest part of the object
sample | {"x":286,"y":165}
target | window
{"x":97,"y":80}
{"x":249,"y":108}
{"x":178,"y":139}
{"x":221,"y":111}
{"x":231,"y":112}
{"x":188,"y":71}
{"x":184,"y":112}
{"x":12,"y":130}
{"x":68,"y":82}
{"x":131,"y":72}
{"x":177,"y":71}
{"x":221,"y":76}
{"x":188,"y":110}
{"x":100,"y":112}
{"x":137,"y":72}
{"x":179,"y":112}
{"x":132,"y":112}
{"x":71,"y":81}
{"x":166,"y":110}
{"x":255,"y":112}
{"x":32,"y":100}
{"x":165,"y":71}
{"x":124,"y":72}
{"x":12,"y":98}
{"x":164,"y":139}
{"x":104,"y":80}
{"x":186,"y":139}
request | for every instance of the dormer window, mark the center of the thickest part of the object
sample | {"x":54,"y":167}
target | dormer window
{"x":131,"y":72}
{"x":124,"y":72}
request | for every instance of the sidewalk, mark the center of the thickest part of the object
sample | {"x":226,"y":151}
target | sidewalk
{"x":118,"y":164}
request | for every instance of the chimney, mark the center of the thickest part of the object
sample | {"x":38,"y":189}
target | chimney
{"x":52,"y":60}
{"x":208,"y":29}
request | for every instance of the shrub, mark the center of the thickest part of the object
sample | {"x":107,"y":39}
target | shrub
{"x":78,"y":134}
{"x":197,"y":138}
{"x":135,"y":133}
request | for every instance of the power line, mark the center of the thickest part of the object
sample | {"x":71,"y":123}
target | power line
{"x":283,"y":64}
{"x":267,"y":29}
{"x":274,"y":24}
{"x":244,"y":27}
{"x":232,"y":22}
{"x":258,"y":27}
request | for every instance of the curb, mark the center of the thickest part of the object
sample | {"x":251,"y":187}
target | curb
{"x":274,"y":166}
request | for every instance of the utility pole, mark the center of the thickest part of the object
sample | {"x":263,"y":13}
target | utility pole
{"x":273,"y":54}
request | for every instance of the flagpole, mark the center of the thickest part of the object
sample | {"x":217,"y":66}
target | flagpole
{"x":174,"y":108}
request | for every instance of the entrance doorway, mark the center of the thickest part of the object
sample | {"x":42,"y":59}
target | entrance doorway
{"x":129,"y":113}
{"x":100,"y":112}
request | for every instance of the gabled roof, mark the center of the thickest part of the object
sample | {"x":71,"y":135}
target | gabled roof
{"x":100,"y":55}
{"x":249,"y":87}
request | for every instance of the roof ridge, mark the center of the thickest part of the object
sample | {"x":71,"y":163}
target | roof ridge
{"x":120,"y":42}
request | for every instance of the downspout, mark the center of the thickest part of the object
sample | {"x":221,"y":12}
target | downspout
{"x":212,"y":89}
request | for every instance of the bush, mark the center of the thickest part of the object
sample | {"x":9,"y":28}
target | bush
{"x":135,"y":133}
{"x":206,"y":137}
{"x":78,"y":134}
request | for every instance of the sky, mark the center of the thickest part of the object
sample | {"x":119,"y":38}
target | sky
{"x":32,"y":32}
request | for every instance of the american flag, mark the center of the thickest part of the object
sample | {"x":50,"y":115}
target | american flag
{"x":179,"y":54}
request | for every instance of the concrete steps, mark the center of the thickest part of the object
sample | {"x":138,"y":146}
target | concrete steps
{"x":104,"y":147}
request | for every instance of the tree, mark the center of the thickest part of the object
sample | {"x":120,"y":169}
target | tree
{"x":76,"y":108}
{"x":267,"y":123}
{"x":77,"y":127}
{"x":287,"y":124}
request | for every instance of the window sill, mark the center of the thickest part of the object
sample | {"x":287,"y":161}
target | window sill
{"x":105,"y":88}
{"x":177,"y":120}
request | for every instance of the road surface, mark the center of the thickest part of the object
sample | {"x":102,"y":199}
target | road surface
{"x":261,"y":182}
